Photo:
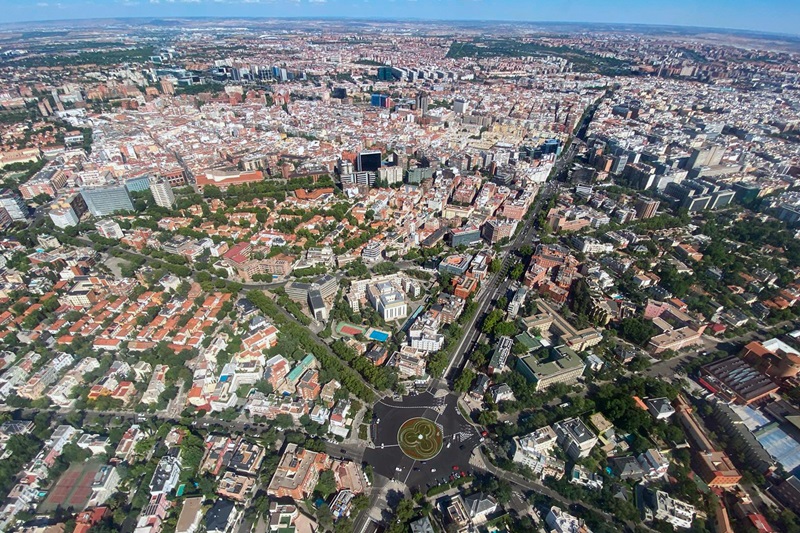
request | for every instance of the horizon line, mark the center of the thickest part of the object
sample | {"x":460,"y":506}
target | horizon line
{"x":416,"y":20}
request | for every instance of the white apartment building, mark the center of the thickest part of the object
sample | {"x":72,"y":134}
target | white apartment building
{"x":162,"y":192}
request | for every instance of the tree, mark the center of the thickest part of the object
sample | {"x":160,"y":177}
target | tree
{"x":405,"y":511}
{"x":284,"y":421}
{"x":505,"y":329}
{"x":491,"y":320}
{"x":487,"y":418}
{"x":637,"y":330}
{"x":464,"y":380}
{"x":326,"y":485}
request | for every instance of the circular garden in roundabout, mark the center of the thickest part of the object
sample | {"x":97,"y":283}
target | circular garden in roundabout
{"x":420,"y":439}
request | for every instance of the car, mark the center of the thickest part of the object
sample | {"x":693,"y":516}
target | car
{"x":455,"y":467}
{"x":433,"y":470}
{"x":398,"y":469}
{"x":484,"y":433}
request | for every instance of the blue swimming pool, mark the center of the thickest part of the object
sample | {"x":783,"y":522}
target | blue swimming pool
{"x":379,"y":336}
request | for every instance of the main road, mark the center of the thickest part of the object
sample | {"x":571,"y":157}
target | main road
{"x":497,"y":285}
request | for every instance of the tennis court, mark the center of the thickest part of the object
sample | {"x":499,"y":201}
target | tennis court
{"x":346,"y":328}
{"x":73,"y":488}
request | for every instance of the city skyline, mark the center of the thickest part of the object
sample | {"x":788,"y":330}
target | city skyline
{"x":776,"y":16}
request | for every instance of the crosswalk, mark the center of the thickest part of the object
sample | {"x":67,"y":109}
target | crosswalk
{"x":462,"y":436}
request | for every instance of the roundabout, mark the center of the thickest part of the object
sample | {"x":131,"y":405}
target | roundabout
{"x":420,"y":439}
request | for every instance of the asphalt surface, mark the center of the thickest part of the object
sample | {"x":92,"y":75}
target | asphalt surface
{"x":497,"y":285}
{"x":388,"y":460}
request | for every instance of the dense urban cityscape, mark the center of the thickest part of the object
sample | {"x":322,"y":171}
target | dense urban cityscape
{"x":261,"y":275}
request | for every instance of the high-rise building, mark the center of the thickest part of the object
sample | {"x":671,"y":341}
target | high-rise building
{"x":103,"y":201}
{"x":385,"y":74}
{"x":62,"y":215}
{"x":639,"y":175}
{"x":390,"y":175}
{"x":381,"y":100}
{"x":646,"y":207}
{"x":67,"y":211}
{"x":460,"y":106}
{"x":13,"y":204}
{"x":138,"y":184}
{"x":422,"y":102}
{"x":369,"y":161}
{"x":5,"y":219}
{"x":162,"y":192}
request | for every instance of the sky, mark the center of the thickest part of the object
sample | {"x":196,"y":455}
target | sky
{"x":780,"y":16}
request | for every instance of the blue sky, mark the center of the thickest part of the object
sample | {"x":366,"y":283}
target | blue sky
{"x":767,"y":15}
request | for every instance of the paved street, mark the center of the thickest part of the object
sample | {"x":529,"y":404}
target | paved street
{"x":496,"y":286}
{"x":386,"y":457}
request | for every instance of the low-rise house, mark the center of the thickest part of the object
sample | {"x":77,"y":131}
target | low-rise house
{"x":297,"y":473}
{"x":235,"y":486}
{"x":658,"y":505}
{"x":126,"y":449}
{"x":654,"y":464}
{"x":626,"y":468}
{"x":165,"y":478}
{"x":219,"y":451}
{"x":222,"y":517}
{"x":479,"y":506}
{"x":247,"y":458}
{"x":191,"y":516}
{"x":660,"y":408}
{"x":583,"y":477}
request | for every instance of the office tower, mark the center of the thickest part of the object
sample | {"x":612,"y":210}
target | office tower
{"x":162,"y":192}
{"x":646,"y":208}
{"x":77,"y":203}
{"x":381,"y":100}
{"x":385,"y":74}
{"x":721,"y":199}
{"x":422,"y":102}
{"x":460,"y":106}
{"x":103,"y":201}
{"x":369,"y":161}
{"x":13,"y":204}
